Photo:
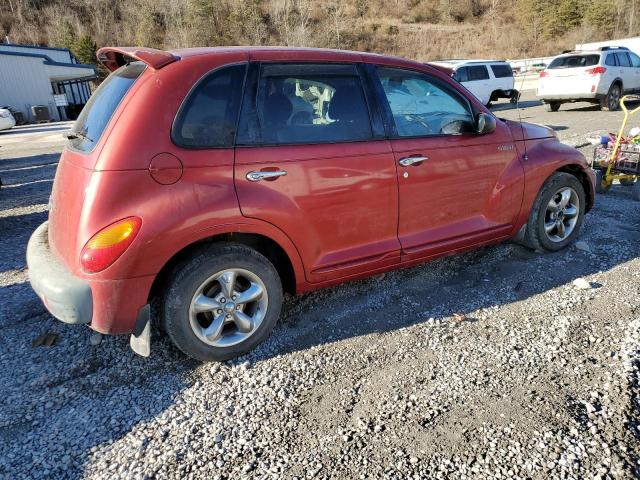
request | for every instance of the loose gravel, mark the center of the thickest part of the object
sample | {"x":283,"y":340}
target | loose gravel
{"x":498,"y":363}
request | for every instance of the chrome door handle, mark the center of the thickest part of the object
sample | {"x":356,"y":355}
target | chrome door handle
{"x":406,"y":161}
{"x":257,"y":176}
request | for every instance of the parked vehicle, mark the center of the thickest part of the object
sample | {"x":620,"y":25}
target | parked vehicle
{"x":598,"y":76}
{"x":196,"y":181}
{"x":488,"y":80}
{"x":6,"y":119}
{"x":18,"y":116}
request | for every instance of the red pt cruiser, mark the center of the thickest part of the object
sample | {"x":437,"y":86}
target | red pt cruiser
{"x":213,"y":180}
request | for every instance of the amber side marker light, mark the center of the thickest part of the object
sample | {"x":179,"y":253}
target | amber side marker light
{"x":106,"y":246}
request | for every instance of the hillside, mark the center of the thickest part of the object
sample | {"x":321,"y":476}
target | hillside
{"x":420,"y":29}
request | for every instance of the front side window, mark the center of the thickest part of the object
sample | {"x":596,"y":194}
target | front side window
{"x":310,"y":103}
{"x":96,"y":114}
{"x":478,"y":72}
{"x":207,"y":119}
{"x":424,"y":106}
{"x":635,"y":60}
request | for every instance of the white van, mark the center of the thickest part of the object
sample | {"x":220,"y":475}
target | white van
{"x":488,"y":80}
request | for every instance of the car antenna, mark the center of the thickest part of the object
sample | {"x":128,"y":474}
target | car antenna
{"x":519,"y":92}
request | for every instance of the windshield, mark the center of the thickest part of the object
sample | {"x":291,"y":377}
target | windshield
{"x":98,"y":111}
{"x":575,"y":61}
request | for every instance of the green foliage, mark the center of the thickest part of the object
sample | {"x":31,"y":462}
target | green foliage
{"x":85,"y":49}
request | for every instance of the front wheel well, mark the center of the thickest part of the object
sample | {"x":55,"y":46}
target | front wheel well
{"x":264,"y":245}
{"x":577,"y":172}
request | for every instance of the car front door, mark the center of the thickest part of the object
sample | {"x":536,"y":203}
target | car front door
{"x":456,"y":188}
{"x":312,"y":160}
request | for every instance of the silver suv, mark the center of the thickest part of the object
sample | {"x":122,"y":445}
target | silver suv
{"x":598,"y":76}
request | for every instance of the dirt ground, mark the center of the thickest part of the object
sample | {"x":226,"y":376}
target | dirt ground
{"x":490,"y":364}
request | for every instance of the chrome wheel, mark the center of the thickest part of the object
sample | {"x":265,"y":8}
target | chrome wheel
{"x":228,"y":307}
{"x":561,"y":215}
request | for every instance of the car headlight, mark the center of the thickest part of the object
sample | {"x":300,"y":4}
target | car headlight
{"x":5,"y":113}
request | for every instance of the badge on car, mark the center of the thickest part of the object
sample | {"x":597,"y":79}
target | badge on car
{"x":504,"y":148}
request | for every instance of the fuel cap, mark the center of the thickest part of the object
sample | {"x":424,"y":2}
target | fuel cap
{"x":165,"y":168}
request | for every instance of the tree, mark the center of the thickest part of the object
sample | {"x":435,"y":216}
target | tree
{"x":85,"y":49}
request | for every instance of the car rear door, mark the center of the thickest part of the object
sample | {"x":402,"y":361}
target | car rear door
{"x":479,"y":82}
{"x":456,"y":188}
{"x":312,"y":159}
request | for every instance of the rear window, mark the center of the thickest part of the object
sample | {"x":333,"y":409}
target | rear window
{"x":575,"y":61}
{"x":99,"y":109}
{"x":502,"y":71}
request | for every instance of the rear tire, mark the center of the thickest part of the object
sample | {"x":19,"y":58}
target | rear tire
{"x":611,"y":102}
{"x":552,"y":106}
{"x":601,"y":187}
{"x":561,"y":200}
{"x":199,"y":318}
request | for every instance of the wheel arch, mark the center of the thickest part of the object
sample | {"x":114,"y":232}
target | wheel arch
{"x":271,"y":249}
{"x":578,"y":172}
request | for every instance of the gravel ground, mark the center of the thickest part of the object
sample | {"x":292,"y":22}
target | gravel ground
{"x":500,"y":363}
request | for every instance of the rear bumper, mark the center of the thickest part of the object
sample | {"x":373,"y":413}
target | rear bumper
{"x":107,"y":305}
{"x":580,"y":97}
{"x":67,"y":297}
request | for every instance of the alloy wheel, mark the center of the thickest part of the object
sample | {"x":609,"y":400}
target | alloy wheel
{"x":561,"y":215}
{"x":228,"y":307}
{"x":614,"y":98}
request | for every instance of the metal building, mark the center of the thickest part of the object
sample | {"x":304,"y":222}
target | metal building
{"x":43,"y":83}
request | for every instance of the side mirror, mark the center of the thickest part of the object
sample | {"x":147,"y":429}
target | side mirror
{"x":485,"y":123}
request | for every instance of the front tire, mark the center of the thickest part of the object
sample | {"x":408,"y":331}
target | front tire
{"x":557,"y":214}
{"x":221,"y":302}
{"x":611,"y":101}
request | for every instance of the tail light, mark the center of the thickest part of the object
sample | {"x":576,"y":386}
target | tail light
{"x":106,"y":246}
{"x":543,"y":74}
{"x":595,"y":71}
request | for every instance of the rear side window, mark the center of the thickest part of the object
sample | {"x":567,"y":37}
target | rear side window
{"x":502,"y":71}
{"x":575,"y":61}
{"x":623,"y":60}
{"x":610,"y":61}
{"x":478,"y":72}
{"x":309,"y":103}
{"x":99,"y":109}
{"x":207,"y":119}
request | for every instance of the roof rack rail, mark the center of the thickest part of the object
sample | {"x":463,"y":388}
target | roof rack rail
{"x":612,"y":47}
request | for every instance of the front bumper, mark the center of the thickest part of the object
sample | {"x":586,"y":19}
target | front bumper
{"x":67,"y":297}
